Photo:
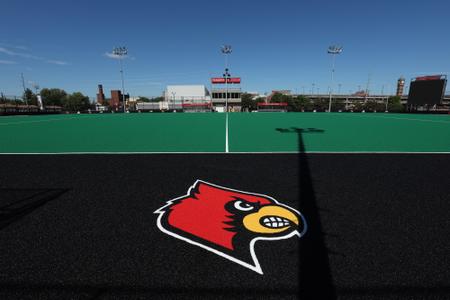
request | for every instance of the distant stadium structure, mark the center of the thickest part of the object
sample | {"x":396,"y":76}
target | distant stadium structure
{"x":190,"y":93}
{"x":226,"y":91}
{"x":186,"y":98}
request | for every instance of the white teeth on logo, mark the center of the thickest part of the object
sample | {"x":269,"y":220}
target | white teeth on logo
{"x":275,"y":222}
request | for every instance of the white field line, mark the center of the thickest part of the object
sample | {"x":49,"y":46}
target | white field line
{"x":227,"y":149}
{"x":40,"y":121}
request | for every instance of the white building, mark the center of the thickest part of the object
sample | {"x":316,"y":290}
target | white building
{"x":186,"y":93}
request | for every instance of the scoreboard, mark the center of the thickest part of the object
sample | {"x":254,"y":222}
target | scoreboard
{"x":427,"y":90}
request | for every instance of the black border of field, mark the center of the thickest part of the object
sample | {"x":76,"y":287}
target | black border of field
{"x":83,"y":227}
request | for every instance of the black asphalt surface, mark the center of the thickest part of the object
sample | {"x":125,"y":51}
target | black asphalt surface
{"x":83,"y":227}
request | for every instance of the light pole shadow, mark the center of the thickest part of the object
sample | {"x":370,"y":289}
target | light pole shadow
{"x":315,"y":279}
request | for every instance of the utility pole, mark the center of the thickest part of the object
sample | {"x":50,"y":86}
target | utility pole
{"x":173,"y":100}
{"x":24,"y":89}
{"x":367,"y":88}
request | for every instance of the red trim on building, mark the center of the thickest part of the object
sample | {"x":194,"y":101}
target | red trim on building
{"x":196,"y":104}
{"x":432,"y":77}
{"x":220,"y":80}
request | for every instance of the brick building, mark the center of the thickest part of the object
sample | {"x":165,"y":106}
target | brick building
{"x":116,"y":99}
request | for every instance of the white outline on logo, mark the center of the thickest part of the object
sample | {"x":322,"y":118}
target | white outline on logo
{"x":256,"y":267}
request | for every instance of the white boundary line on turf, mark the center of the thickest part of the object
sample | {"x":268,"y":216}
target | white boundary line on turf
{"x":270,"y":152}
{"x":227,"y":147}
{"x":41,"y":121}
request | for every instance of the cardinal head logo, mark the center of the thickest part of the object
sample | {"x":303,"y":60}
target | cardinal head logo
{"x":229,"y":222}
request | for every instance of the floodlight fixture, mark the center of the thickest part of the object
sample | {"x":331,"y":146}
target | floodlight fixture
{"x":120,"y":51}
{"x":226,"y":49}
{"x":335,"y":49}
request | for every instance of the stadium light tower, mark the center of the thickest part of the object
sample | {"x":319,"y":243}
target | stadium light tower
{"x":226,"y":50}
{"x":333,"y":50}
{"x":121,"y":52}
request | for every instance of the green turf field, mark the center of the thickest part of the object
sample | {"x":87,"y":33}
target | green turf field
{"x":248,"y":132}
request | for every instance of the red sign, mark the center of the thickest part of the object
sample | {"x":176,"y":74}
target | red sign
{"x":220,"y":80}
{"x":217,"y":80}
{"x":433,"y":77}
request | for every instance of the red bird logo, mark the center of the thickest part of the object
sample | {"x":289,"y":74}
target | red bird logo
{"x":228,"y":222}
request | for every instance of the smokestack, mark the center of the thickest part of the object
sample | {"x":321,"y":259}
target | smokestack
{"x":100,"y":95}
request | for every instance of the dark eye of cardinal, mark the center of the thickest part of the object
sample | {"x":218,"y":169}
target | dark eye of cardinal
{"x":241,"y":205}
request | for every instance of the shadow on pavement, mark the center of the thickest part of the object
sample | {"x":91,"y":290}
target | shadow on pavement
{"x":17,"y":203}
{"x":315,"y":280}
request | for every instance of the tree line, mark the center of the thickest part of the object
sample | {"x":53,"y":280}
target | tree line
{"x":55,"y":97}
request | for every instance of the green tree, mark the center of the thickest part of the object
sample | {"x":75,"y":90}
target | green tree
{"x":76,"y":102}
{"x":157,"y":99}
{"x":305,"y":102}
{"x":248,"y":103}
{"x":278,"y":97}
{"x":259,"y":100}
{"x":29,"y":97}
{"x":143,"y":99}
{"x":321,"y":104}
{"x":53,"y":96}
{"x":359,"y":106}
{"x":395,"y":104}
{"x":372,"y":105}
{"x":281,"y":98}
{"x":337,"y":105}
{"x":299,"y":103}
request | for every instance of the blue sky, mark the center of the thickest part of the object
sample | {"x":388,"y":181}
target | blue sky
{"x":277,"y":44}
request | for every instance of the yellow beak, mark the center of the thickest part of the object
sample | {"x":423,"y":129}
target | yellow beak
{"x":270,"y":219}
